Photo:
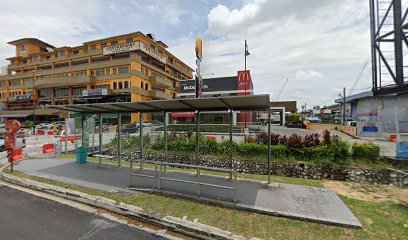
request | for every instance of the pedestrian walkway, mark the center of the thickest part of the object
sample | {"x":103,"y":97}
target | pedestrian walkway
{"x":301,"y":202}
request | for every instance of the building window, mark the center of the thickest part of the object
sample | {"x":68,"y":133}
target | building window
{"x":62,"y":92}
{"x":113,"y":43}
{"x":35,"y":58}
{"x":107,"y":71}
{"x":2,"y":84}
{"x":22,"y":48}
{"x":115,"y":71}
{"x":120,"y":85}
{"x":45,"y":93}
{"x":76,"y":52}
{"x":146,"y":72}
{"x":29,"y":93}
{"x":126,"y":84}
{"x":115,"y":85}
{"x":14,"y":82}
{"x":102,"y":86}
{"x":129,"y":40}
{"x":146,"y":86}
{"x":154,"y":73}
{"x":78,"y":91}
{"x":99,"y":72}
{"x":123,"y":70}
{"x":28,"y":82}
{"x":141,"y":85}
{"x":62,"y":53}
{"x":47,"y":57}
{"x":103,"y":45}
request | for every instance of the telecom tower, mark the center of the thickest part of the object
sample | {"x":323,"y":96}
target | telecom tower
{"x":389,"y":46}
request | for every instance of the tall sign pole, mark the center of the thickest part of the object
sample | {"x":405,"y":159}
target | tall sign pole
{"x":198,"y":78}
{"x":12,"y":127}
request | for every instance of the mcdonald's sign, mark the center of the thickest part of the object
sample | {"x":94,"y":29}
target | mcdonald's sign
{"x":244,"y":81}
{"x":199,"y":48}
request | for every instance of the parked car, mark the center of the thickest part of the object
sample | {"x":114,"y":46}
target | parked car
{"x":144,"y":124}
{"x":20,"y":143}
{"x":129,"y":129}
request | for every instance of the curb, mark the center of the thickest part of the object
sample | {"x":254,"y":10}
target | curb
{"x":184,"y":226}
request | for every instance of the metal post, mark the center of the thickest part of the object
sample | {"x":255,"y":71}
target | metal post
{"x":100,"y":136}
{"x":344,"y":106}
{"x":198,"y":182}
{"x":165,"y":140}
{"x":230,"y":140}
{"x":119,"y":139}
{"x":83,"y":129}
{"x":197,"y":138}
{"x":373,"y":48}
{"x":269,"y":145}
{"x":398,"y":50}
{"x":66,"y":135}
{"x":141,"y":139}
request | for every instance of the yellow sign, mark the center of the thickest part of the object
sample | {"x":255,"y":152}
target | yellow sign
{"x":199,"y":47}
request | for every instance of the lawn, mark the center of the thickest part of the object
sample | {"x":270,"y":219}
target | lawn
{"x":384,"y":220}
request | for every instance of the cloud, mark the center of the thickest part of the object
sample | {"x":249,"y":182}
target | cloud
{"x":288,"y":38}
{"x":169,"y":13}
{"x":308,"y":75}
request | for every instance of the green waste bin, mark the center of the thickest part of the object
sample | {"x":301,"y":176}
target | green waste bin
{"x":81,"y":153}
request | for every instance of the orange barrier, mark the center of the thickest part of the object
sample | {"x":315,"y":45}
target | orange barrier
{"x":393,"y":138}
{"x":17,"y":154}
{"x":70,"y":138}
{"x":50,"y":133}
{"x":40,"y":132}
{"x":48,"y":148}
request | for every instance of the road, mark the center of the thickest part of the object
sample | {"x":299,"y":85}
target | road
{"x":25,"y":216}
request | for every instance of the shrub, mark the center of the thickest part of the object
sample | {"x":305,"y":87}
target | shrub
{"x":366,"y":151}
{"x":262,"y":137}
{"x":278,"y":151}
{"x":252,"y":149}
{"x":339,"y":152}
{"x":224,"y":147}
{"x":311,"y":140}
{"x":295,"y":118}
{"x":326,"y":137}
{"x":294,"y":141}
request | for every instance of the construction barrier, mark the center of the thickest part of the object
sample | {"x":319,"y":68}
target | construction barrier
{"x":16,"y":154}
{"x":48,"y":148}
{"x":40,"y":131}
{"x":393,"y":138}
{"x":70,"y":138}
{"x":50,"y":132}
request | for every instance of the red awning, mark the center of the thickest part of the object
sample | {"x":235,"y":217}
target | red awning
{"x":182,"y":114}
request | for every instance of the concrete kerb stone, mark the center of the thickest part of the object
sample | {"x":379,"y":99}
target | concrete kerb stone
{"x":197,"y":230}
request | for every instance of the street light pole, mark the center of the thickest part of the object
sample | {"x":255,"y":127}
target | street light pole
{"x":246,"y":80}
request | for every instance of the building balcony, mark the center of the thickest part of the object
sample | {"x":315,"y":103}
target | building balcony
{"x":161,"y":81}
{"x":63,"y":81}
{"x":112,"y":77}
{"x":135,"y":90}
{"x":3,"y":99}
{"x":155,"y":94}
{"x":58,"y":59}
{"x":3,"y":88}
{"x":25,"y":86}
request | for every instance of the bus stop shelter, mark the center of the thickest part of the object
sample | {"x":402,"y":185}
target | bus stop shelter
{"x":197,"y":105}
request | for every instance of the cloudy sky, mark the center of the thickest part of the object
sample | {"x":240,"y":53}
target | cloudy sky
{"x":320,"y":46}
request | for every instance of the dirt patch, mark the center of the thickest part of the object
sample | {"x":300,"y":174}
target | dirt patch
{"x":370,"y":193}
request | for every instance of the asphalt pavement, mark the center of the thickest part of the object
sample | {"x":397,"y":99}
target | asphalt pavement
{"x":25,"y":216}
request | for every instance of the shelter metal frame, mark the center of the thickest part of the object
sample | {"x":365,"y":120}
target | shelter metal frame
{"x":197,"y":105}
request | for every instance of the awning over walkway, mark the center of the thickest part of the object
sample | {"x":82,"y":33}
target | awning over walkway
{"x":16,"y":115}
{"x":242,"y":103}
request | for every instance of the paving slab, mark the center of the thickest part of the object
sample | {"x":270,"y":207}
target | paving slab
{"x":300,"y":202}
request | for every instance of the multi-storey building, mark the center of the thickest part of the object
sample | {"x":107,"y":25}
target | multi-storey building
{"x":130,"y":67}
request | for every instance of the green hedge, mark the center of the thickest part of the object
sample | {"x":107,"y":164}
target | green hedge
{"x":336,"y":152}
{"x":366,"y":151}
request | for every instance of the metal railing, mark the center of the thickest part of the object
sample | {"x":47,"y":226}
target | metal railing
{"x":158,"y":169}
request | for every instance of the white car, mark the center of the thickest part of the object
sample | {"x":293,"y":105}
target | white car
{"x":20,"y":143}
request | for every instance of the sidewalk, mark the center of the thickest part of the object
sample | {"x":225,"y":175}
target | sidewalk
{"x":301,"y":202}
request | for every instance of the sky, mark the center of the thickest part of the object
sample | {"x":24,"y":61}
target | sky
{"x":319,"y":46}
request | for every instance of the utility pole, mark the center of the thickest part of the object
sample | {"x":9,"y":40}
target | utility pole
{"x":344,"y":106}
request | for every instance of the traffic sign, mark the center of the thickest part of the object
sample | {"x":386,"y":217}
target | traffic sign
{"x":12,"y":126}
{"x":9,"y":141}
